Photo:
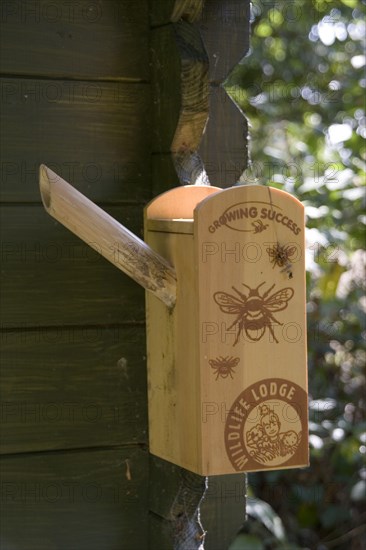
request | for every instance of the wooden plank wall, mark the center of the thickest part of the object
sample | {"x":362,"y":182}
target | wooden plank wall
{"x":75,"y":94}
{"x":78,"y":94}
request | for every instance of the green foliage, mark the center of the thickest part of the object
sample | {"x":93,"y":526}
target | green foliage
{"x":302,"y":89}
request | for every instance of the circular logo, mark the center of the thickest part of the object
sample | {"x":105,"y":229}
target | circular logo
{"x":265,"y":426}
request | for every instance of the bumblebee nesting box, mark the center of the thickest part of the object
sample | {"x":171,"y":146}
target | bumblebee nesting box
{"x":226,"y":326}
{"x":227,"y":368}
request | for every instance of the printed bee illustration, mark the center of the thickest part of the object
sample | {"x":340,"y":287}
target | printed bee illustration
{"x":280,"y":255}
{"x":259,"y":226}
{"x":254,"y":312}
{"x":224,"y":366}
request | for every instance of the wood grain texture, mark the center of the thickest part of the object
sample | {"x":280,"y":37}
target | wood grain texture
{"x":219,"y":500}
{"x":95,"y":134}
{"x":224,"y":145}
{"x":89,"y":500}
{"x":244,"y":319}
{"x":173,"y":376}
{"x":224,"y":28}
{"x":175,"y":508}
{"x":166,"y":11}
{"x":252,"y":318}
{"x":180,"y":81}
{"x":117,"y":244}
{"x":90,"y":393}
{"x":51,"y":278}
{"x":222,"y":510}
{"x":219,"y":155}
{"x":83,"y":40}
{"x":179,"y":66}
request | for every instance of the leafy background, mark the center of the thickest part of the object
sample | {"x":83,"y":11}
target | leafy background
{"x":302,"y":89}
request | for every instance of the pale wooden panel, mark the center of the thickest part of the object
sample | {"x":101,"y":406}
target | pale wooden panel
{"x":178,"y":203}
{"x":239,"y":321}
{"x":173,"y":377}
{"x":88,"y":500}
{"x":49,"y":277}
{"x":90,"y":392}
{"x":95,"y":135}
{"x":252,"y":306}
{"x":97,"y":40}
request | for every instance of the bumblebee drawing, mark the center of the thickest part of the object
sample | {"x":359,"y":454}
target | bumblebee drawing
{"x":224,"y":366}
{"x":253,"y":311}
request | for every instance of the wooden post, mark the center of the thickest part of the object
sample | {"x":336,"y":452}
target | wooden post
{"x":200,"y":137}
{"x":108,"y":237}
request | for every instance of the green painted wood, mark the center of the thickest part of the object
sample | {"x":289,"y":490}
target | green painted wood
{"x":223,"y":510}
{"x":49,"y":277}
{"x":95,"y":135}
{"x":160,"y":533}
{"x":84,"y":39}
{"x":224,"y":27}
{"x":179,"y":74}
{"x":88,"y":500}
{"x":165,"y":11}
{"x":164,"y":175}
{"x":174,"y":499}
{"x":224,"y":147}
{"x":72,"y":387}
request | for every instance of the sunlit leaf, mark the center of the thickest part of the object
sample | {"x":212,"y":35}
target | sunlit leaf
{"x":264,"y":513}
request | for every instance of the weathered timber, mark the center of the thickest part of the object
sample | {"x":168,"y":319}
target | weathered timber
{"x":89,"y":393}
{"x":224,"y":27}
{"x":180,"y":87}
{"x":225,"y":31}
{"x":51,"y":278}
{"x":224,"y":145}
{"x":220,"y":156}
{"x":166,"y":11}
{"x":109,"y":238}
{"x":222,"y":510}
{"x":95,"y":134}
{"x":189,"y":510}
{"x":85,"y":500}
{"x":175,"y":507}
{"x":180,"y":82}
{"x":83,"y":40}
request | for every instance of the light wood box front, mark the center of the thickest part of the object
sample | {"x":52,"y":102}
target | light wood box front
{"x":227,"y":366}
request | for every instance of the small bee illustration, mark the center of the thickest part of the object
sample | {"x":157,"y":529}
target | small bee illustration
{"x":280,"y":255}
{"x":224,"y":366}
{"x":254,"y":312}
{"x":259,"y":226}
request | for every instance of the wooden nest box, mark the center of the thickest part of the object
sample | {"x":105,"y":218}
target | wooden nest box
{"x":226,"y":321}
{"x":227,"y":375}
